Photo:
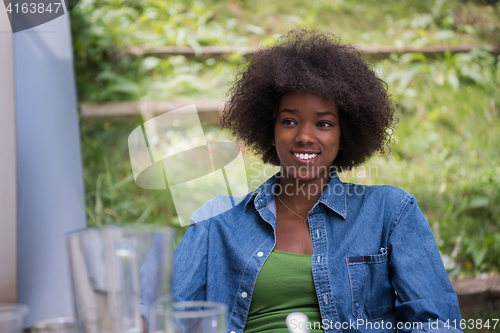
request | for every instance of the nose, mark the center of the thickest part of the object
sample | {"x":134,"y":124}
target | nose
{"x":305,"y":135}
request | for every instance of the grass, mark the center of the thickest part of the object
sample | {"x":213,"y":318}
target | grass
{"x":484,"y":320}
{"x":445,"y":149}
{"x":444,"y":153}
{"x":100,"y":28}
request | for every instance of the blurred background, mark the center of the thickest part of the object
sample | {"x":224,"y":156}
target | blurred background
{"x":439,"y":58}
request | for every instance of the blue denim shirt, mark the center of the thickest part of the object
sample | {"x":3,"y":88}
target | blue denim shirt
{"x":375,"y":261}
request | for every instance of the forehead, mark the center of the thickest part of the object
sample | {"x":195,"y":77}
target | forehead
{"x":297,"y":102}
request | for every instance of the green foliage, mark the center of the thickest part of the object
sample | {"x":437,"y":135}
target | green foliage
{"x":101,"y":28}
{"x":112,"y":195}
{"x":476,"y":67}
{"x":445,"y":149}
{"x":480,"y":20}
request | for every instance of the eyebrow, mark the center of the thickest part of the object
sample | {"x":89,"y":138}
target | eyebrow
{"x":318,"y":113}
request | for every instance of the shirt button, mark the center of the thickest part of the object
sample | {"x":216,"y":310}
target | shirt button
{"x":232,"y":332}
{"x":244,"y":294}
{"x":260,"y":254}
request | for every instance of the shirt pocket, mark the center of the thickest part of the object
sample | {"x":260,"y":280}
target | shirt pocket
{"x":372,"y":294}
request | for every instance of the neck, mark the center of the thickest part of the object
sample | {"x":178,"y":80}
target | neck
{"x":301,"y":194}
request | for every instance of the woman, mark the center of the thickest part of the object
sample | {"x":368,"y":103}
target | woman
{"x":352,"y":257}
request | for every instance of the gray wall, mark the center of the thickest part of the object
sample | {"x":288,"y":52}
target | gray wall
{"x":49,"y":167}
{"x":7,"y":164}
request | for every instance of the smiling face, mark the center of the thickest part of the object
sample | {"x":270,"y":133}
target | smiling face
{"x":306,"y":136}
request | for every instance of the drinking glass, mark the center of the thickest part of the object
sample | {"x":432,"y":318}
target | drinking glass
{"x":188,"y":317}
{"x":117,"y":273}
{"x":54,"y":325}
{"x":12,"y":317}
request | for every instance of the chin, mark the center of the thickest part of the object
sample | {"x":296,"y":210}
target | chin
{"x":304,"y":176}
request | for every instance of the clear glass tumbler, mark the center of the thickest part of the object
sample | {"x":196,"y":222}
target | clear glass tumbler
{"x":117,"y":273}
{"x":12,"y":317}
{"x":188,"y":317}
{"x":54,"y":325}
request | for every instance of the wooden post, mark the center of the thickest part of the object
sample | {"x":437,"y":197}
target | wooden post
{"x":8,"y":190}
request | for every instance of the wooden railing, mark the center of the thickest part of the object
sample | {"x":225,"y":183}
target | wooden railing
{"x":377,"y":51}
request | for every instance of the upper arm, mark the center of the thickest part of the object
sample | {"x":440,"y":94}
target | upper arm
{"x":190,"y":264}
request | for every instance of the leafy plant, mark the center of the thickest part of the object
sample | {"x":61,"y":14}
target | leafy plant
{"x":445,"y":147}
{"x":476,"y":67}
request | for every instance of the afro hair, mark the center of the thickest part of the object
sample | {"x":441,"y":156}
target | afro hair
{"x":316,"y":63}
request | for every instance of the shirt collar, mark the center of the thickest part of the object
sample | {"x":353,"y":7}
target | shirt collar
{"x":334,"y":196}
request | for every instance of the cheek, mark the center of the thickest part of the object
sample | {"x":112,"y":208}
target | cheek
{"x":281,"y":148}
{"x":331,"y":138}
{"x":337,"y":136}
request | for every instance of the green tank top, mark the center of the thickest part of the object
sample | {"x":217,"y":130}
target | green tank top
{"x":284,"y":285}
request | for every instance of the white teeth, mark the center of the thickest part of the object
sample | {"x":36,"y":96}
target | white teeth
{"x":306,"y":156}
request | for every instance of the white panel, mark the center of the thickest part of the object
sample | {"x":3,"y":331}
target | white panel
{"x":51,"y":201}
